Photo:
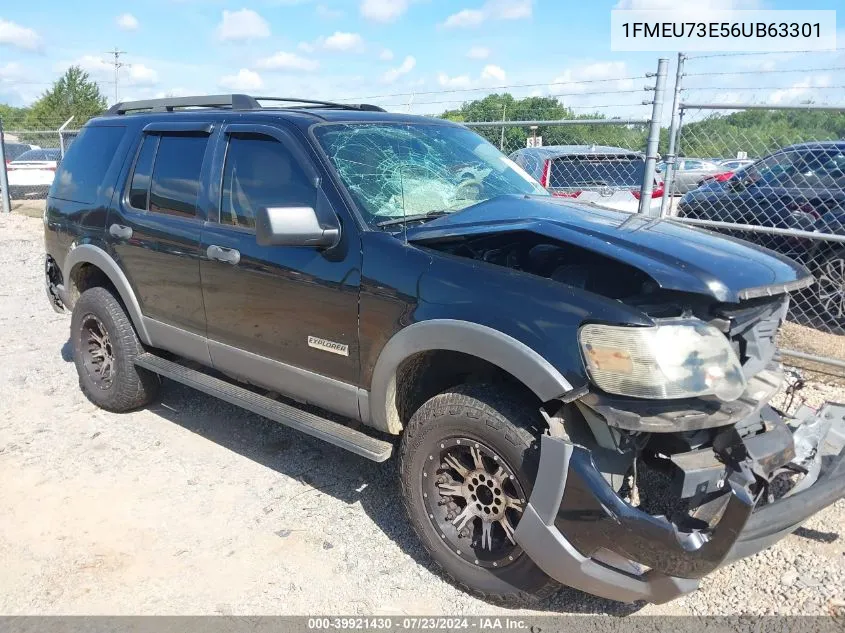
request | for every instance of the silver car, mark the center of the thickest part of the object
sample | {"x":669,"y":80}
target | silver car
{"x":690,"y":171}
{"x":596,"y":174}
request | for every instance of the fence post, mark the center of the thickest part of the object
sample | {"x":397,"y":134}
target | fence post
{"x":4,"y":180}
{"x":653,"y":137}
{"x":674,"y":127}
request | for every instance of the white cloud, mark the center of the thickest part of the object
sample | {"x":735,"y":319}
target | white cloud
{"x":700,"y":5}
{"x":478,"y":52}
{"x":386,"y":55}
{"x":11,"y":71}
{"x":245,"y":80}
{"x":19,"y":36}
{"x":127,"y":22}
{"x":490,"y":10}
{"x":141,"y":75}
{"x":490,"y":74}
{"x":340,"y":41}
{"x":458,"y":82}
{"x":403,"y":69}
{"x":243,"y":25}
{"x":492,"y":71}
{"x":284,"y":61}
{"x":464,"y":19}
{"x":327,"y":13}
{"x":134,"y":74}
{"x":573,"y":79}
{"x":799,"y":89}
{"x":383,"y":10}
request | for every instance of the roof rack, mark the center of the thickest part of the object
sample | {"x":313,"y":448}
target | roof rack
{"x":231,"y":102}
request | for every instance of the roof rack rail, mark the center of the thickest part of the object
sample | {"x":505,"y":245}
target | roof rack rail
{"x":229,"y":101}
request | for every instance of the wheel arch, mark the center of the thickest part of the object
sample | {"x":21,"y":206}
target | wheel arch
{"x":491,"y":346}
{"x":88,"y":254}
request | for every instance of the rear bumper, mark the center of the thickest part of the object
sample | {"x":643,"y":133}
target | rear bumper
{"x":574,"y":518}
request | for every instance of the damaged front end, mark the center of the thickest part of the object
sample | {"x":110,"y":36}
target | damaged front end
{"x":671,"y":461}
{"x":579,"y":530}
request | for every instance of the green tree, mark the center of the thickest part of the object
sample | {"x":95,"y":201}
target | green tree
{"x":73,"y":94}
{"x":12,"y":117}
{"x":498,"y":107}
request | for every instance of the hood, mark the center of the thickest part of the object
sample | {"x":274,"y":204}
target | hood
{"x":677,"y":257}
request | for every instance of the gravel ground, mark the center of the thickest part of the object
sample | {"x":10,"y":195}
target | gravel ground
{"x":192,"y":506}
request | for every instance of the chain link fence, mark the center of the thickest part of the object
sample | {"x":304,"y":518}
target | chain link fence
{"x":774,"y":175}
{"x":33,"y":155}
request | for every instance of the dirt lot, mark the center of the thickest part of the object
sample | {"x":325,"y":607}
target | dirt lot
{"x":194,"y":507}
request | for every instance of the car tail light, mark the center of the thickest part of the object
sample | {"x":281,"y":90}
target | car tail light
{"x":657,"y":192}
{"x":547,"y":168}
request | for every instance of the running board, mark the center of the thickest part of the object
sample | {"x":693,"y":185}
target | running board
{"x":332,"y":432}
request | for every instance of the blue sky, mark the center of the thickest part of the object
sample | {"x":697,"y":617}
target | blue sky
{"x":345,"y":48}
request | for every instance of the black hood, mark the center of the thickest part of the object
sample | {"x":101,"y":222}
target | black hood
{"x":677,"y":257}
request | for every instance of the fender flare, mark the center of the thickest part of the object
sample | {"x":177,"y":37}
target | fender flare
{"x":90,"y":254}
{"x":480,"y":341}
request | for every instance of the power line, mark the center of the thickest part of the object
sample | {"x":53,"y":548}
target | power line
{"x":117,"y":66}
{"x":758,"y":53}
{"x":489,"y":88}
{"x":766,"y":72}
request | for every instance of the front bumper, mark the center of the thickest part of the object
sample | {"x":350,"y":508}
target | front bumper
{"x":574,"y":518}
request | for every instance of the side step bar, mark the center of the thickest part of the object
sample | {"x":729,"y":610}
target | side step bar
{"x":332,"y":432}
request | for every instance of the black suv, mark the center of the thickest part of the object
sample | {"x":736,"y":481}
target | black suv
{"x":578,"y":395}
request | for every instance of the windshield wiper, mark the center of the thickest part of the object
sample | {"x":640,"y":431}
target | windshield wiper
{"x":410,"y":218}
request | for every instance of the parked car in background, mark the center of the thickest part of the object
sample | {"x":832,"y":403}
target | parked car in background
{"x":735,"y":164}
{"x":12,"y":150}
{"x":799,"y":187}
{"x":596,"y":174}
{"x":690,"y":171}
{"x":32,"y":173}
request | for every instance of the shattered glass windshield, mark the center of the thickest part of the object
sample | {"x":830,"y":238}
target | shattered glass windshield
{"x":395,"y":171}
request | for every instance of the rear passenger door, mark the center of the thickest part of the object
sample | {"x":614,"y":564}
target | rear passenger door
{"x":155,"y":231}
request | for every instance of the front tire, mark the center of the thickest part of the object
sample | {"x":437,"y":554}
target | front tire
{"x":105,"y":347}
{"x":468,"y":461}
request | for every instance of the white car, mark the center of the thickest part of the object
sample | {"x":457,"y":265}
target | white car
{"x":608,"y":177}
{"x":32,"y":173}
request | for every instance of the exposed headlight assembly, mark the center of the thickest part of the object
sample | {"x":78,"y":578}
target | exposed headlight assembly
{"x":681,"y":358}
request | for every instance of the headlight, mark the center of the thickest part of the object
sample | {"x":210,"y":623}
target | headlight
{"x":680,"y":359}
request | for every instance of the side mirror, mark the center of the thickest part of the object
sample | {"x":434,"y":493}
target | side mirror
{"x":295,"y":226}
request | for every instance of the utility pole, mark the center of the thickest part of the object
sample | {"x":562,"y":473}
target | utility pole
{"x":117,"y":66}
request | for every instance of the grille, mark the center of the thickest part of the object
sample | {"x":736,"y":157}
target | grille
{"x":753,"y":331}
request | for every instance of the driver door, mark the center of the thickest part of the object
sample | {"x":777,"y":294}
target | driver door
{"x":283,"y":317}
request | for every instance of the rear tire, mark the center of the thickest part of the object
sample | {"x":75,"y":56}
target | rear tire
{"x":105,"y":347}
{"x":497,"y":424}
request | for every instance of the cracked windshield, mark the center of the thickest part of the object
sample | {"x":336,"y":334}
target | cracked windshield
{"x":397,"y":172}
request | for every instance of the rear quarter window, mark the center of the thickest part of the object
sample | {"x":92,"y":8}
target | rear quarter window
{"x":85,"y":164}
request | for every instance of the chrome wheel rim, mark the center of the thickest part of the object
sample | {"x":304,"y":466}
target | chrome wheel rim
{"x":97,"y":352}
{"x":474,"y":501}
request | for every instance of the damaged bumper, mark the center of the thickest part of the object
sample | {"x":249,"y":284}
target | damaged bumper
{"x":581,"y":533}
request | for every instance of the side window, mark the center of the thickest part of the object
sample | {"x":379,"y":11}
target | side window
{"x":140,"y":188}
{"x":693,"y":164}
{"x":260,"y":172}
{"x":86,"y":163}
{"x":174,"y":184}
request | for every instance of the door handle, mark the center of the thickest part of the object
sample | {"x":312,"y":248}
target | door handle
{"x":120,"y":232}
{"x":220,"y":254}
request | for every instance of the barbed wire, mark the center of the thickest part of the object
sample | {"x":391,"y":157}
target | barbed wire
{"x":766,"y":72}
{"x":489,"y":88}
{"x":757,"y":53}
